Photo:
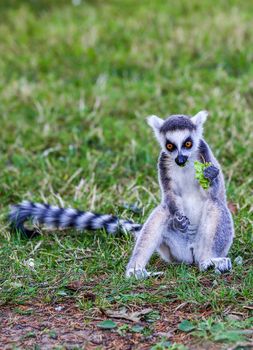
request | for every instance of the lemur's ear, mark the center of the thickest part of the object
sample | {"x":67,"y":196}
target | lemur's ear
{"x":200,"y":118}
{"x":155,"y":124}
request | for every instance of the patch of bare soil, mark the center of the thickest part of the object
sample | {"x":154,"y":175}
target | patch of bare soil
{"x":44,"y":326}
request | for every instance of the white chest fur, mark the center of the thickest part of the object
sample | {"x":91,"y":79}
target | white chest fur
{"x":191,"y":195}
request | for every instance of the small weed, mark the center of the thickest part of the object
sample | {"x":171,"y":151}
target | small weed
{"x":219,"y":331}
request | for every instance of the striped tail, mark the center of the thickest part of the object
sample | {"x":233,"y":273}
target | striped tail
{"x":53,"y":216}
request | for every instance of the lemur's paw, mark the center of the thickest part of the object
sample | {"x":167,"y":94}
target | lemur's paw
{"x":180,"y":222}
{"x":139,"y":273}
{"x":220,"y":265}
{"x":211,"y":172}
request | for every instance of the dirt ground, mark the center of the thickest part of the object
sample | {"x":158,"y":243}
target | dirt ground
{"x":64,"y":326}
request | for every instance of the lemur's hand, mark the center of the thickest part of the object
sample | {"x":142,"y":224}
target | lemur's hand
{"x":211,"y":172}
{"x":141,"y":273}
{"x":180,"y":222}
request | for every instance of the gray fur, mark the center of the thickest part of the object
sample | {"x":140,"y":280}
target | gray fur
{"x":177,"y":122}
{"x":191,"y":225}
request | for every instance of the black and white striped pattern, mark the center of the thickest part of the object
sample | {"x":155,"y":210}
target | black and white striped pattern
{"x":53,"y":216}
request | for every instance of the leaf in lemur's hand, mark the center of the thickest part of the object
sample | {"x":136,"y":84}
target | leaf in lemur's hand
{"x":199,"y":175}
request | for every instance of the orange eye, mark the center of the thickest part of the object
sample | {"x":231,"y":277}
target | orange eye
{"x":188,"y":144}
{"x":170,"y":146}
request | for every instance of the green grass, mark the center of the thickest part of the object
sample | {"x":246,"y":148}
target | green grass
{"x":76,"y":85}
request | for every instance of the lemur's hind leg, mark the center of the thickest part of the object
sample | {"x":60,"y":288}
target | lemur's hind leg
{"x":165,"y":253}
{"x":163,"y":250}
{"x":214,"y":238}
{"x":149,"y":239}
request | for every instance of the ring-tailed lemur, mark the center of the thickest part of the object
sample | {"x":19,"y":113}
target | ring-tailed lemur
{"x":191,"y":225}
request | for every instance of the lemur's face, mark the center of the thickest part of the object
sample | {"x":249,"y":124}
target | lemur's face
{"x":179,"y":145}
{"x":179,"y":135}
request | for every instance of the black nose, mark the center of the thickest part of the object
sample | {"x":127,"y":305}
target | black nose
{"x":181,"y":160}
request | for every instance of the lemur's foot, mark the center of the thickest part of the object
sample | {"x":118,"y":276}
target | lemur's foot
{"x":220,"y":265}
{"x":180,"y":222}
{"x":211,"y":172}
{"x":140,"y":273}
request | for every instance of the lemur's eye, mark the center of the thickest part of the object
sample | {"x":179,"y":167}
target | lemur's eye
{"x":170,"y":146}
{"x":188,"y":144}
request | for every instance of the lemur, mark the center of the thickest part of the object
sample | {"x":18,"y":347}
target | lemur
{"x":190,"y":225}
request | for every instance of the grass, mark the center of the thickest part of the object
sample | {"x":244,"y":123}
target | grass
{"x":76,"y":85}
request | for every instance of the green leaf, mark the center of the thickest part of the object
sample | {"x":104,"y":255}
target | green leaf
{"x":137,"y":328}
{"x":162,"y":345}
{"x":218,"y":328}
{"x":107,"y":324}
{"x":186,"y":326}
{"x":229,"y":336}
{"x":199,"y":174}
